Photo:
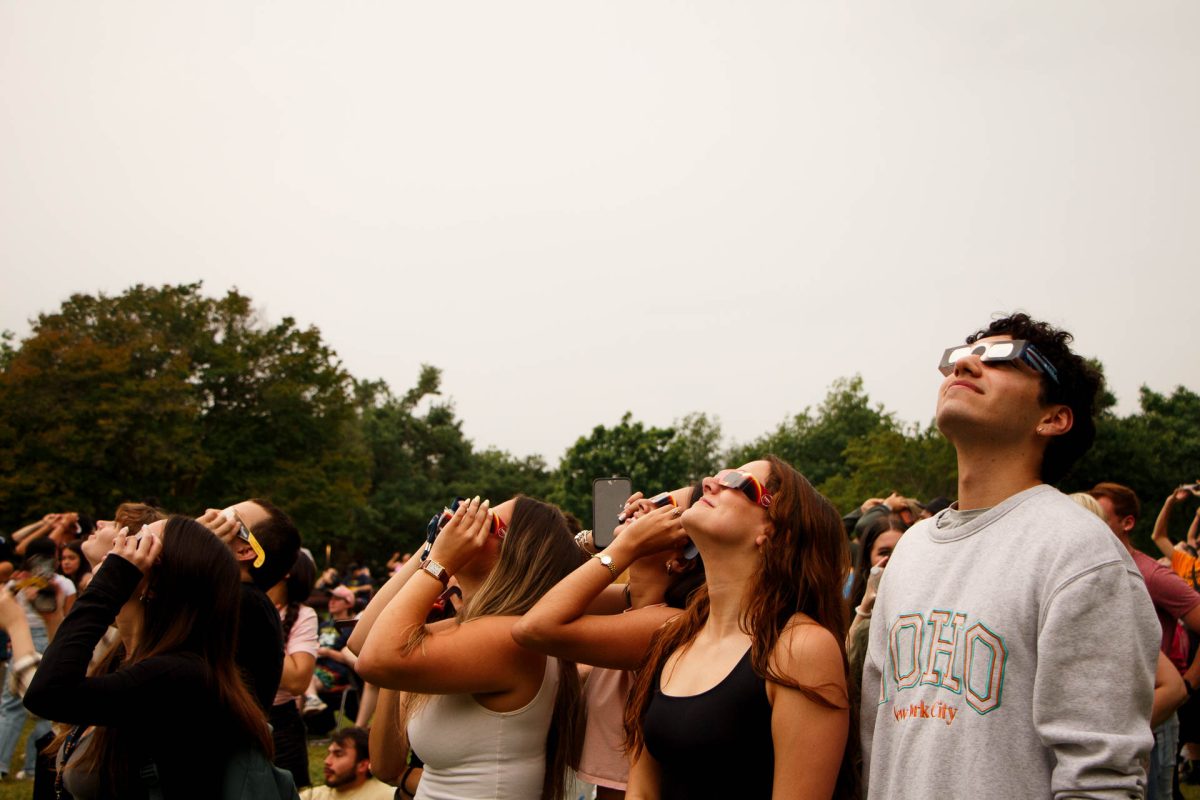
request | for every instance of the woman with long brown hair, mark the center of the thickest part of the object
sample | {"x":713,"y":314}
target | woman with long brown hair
{"x":177,"y":702}
{"x":488,"y":717}
{"x":744,"y":694}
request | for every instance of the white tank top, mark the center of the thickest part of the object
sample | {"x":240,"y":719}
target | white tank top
{"x":471,"y":753}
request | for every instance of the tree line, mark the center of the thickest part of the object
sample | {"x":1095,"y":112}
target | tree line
{"x":166,"y":395}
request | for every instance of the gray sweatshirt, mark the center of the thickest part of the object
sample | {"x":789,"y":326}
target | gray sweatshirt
{"x":1012,"y":656}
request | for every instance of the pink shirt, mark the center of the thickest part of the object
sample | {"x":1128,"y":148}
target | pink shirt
{"x":303,"y":639}
{"x":1172,"y":599}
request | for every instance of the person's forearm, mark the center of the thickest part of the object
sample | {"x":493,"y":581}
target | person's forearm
{"x":22,"y":533}
{"x":21,"y":639}
{"x":1191,"y":533}
{"x":19,"y":549}
{"x":379,"y":602}
{"x":297,"y":672}
{"x":1160,"y":535}
{"x":54,"y":690}
{"x":569,"y":599}
{"x":388,"y":744}
{"x":381,"y":657}
{"x":1191,"y":675}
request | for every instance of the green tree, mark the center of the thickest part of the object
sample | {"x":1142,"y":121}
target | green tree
{"x":1151,"y":451}
{"x":654,"y":459}
{"x":696,"y":447}
{"x":915,"y":462}
{"x":814,"y":443}
{"x":415,"y":456}
{"x":420,"y":460}
{"x":163,"y":393}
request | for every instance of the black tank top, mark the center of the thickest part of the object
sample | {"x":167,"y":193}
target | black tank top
{"x":716,"y":744}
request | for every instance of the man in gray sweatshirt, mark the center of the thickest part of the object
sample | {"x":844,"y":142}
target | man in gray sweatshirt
{"x":1013,"y":645}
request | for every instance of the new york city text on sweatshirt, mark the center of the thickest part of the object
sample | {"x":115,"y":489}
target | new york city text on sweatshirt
{"x":939,"y":649}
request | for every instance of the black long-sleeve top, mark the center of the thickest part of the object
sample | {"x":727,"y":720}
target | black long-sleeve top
{"x":165,"y":707}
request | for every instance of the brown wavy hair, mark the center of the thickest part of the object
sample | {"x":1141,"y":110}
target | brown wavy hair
{"x":135,"y":515}
{"x":803,"y":571}
{"x":538,"y":551}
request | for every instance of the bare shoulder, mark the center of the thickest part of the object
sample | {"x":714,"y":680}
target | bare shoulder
{"x":809,"y":654}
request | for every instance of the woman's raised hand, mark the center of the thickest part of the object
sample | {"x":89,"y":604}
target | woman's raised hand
{"x":464,"y":535}
{"x":653,"y":532}
{"x":141,"y":551}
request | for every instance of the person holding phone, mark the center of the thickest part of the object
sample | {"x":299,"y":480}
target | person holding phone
{"x":489,"y":718}
{"x":753,"y":673}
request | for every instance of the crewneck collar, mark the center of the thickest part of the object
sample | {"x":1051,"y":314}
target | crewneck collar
{"x":971,"y":527}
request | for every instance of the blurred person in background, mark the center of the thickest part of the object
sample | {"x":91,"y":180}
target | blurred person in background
{"x":1178,"y":608}
{"x":39,"y":591}
{"x":335,"y":662}
{"x":59,"y":528}
{"x":1185,"y":564}
{"x":875,"y":549}
{"x":348,"y":771}
{"x":74,"y":566}
{"x":359,"y":580}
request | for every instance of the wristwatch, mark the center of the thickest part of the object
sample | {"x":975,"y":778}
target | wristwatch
{"x":436,"y":570}
{"x":607,"y":561}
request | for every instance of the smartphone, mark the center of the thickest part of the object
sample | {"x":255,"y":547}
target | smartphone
{"x":608,"y":500}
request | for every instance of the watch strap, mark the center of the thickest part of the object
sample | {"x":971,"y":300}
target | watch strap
{"x":436,"y":570}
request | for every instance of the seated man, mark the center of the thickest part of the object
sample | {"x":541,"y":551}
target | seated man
{"x":348,"y":771}
{"x":334,"y":662}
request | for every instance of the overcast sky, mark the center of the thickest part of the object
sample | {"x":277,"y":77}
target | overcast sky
{"x":578,"y":209}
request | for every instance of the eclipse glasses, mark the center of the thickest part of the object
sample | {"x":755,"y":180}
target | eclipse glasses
{"x":997,"y":352}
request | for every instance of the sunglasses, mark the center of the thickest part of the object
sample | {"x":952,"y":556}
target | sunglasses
{"x":745,"y":483}
{"x":998,"y":352}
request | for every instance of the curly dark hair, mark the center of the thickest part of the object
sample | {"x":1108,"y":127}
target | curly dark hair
{"x":1077,"y":387}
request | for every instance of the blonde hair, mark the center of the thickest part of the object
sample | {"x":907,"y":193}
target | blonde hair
{"x":1087,"y":501}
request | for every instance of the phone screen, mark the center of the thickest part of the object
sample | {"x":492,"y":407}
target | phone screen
{"x":608,"y":498}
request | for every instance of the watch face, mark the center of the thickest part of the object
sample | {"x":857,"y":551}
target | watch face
{"x":606,"y":560}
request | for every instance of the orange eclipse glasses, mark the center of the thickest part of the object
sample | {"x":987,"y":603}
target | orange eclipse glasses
{"x":745,"y":483}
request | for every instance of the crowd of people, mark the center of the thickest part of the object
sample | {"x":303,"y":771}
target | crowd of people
{"x":738,"y":638}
